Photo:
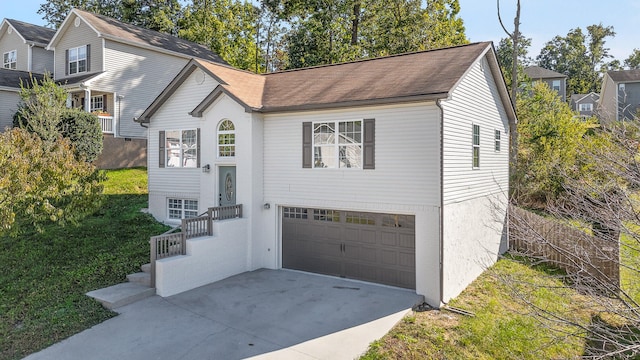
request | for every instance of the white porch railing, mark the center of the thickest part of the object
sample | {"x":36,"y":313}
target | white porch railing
{"x":106,"y":123}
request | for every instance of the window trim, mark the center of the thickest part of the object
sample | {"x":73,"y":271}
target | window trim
{"x":93,"y":99}
{"x":588,"y":105}
{"x":12,"y":65}
{"x":78,"y":59}
{"x":553,"y":85}
{"x":164,"y":149}
{"x":336,"y":144}
{"x":497,"y":140}
{"x":230,"y":145}
{"x":475,"y":146}
{"x":182,"y":209}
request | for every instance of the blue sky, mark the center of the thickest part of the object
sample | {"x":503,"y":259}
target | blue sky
{"x":541,"y":19}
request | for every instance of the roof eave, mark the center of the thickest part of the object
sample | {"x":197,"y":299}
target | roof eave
{"x":369,"y":102}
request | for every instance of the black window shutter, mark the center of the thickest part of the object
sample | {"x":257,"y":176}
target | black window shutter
{"x":198,"y":148}
{"x":88,"y":57}
{"x":161,"y":147}
{"x":66,"y":62}
{"x":369,"y":144}
{"x":307,"y":145}
{"x":104,"y":103}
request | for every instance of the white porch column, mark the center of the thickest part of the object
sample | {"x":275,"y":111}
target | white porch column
{"x":87,"y":100}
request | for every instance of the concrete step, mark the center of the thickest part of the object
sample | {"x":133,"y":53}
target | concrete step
{"x":122,"y":294}
{"x":141,"y":278}
{"x":145,"y":268}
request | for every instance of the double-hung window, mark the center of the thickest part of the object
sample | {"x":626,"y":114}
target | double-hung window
{"x":10,"y":60}
{"x":181,"y":148}
{"x":476,"y":146}
{"x":77,"y":62}
{"x":555,"y":85}
{"x":97,"y":103}
{"x":497,"y":140}
{"x":182,"y":208}
{"x":226,"y":139}
{"x":337,"y":144}
{"x":586,"y":107}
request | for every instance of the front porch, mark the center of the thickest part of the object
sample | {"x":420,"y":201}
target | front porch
{"x":102,"y":104}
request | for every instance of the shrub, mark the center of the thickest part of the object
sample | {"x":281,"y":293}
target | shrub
{"x":84,"y":131}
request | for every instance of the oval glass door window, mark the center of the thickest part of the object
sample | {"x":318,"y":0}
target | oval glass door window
{"x":228,"y":187}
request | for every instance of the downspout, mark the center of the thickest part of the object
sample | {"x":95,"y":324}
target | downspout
{"x":440,"y":230}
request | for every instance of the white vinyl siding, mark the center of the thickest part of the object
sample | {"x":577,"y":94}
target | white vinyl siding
{"x":475,"y":101}
{"x":139,"y":75}
{"x":407,"y":153}
{"x":74,"y":37}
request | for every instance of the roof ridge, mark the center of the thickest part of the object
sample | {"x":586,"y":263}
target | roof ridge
{"x":377,"y":58}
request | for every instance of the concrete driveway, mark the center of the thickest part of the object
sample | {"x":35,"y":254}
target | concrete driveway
{"x":264,"y":314}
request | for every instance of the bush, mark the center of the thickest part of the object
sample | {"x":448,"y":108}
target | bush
{"x":84,"y":131}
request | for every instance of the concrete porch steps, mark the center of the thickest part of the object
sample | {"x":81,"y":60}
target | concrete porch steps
{"x":137,"y":288}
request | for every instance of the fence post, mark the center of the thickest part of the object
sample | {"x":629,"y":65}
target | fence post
{"x":152,"y":259}
{"x":210,"y":221}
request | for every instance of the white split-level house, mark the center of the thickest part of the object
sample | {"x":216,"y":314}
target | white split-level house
{"x":109,"y":67}
{"x":390,"y":170}
{"x":22,"y":46}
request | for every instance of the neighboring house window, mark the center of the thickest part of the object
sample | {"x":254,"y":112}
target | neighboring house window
{"x":476,"y":146}
{"x":77,"y":60}
{"x":180,"y":148}
{"x":497,"y":140}
{"x":97,"y":103}
{"x":10,"y":60}
{"x":182,"y":208}
{"x":555,"y":85}
{"x":586,"y":107}
{"x":226,"y":139}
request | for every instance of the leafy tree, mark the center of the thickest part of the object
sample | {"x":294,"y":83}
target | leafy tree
{"x":41,"y":106}
{"x":504,"y":53}
{"x":582,"y":57}
{"x":550,"y":136}
{"x":55,"y":11}
{"x":43,"y":182}
{"x":43,"y":111}
{"x":227,"y":27}
{"x":84,"y":131}
{"x":633,"y":61}
{"x":158,"y":15}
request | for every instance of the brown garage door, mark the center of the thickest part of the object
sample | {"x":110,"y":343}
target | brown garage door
{"x":358,"y":245}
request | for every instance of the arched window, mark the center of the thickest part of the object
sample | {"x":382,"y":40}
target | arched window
{"x":226,"y":139}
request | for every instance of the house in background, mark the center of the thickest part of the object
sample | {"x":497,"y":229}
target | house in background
{"x":22,"y":46}
{"x":555,"y":80}
{"x":392,"y":170}
{"x":620,"y":95}
{"x":585,"y":104}
{"x":115,"y":70}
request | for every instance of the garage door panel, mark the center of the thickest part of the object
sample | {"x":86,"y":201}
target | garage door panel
{"x":355,"y":245}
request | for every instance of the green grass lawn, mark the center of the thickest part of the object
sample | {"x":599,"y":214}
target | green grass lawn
{"x":44,"y":276}
{"x":503,"y":327}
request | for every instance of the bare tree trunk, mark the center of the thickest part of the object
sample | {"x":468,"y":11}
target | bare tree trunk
{"x":355,"y":22}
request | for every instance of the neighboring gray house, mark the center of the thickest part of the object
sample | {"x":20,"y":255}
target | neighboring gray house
{"x":115,"y":70}
{"x":555,"y":80}
{"x":392,"y":170}
{"x":9,"y":97}
{"x":585,"y":104}
{"x":22,"y":46}
{"x":620,"y":95}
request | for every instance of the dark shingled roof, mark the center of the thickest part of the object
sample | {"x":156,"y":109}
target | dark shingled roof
{"x":625,"y":75}
{"x":33,"y":33}
{"x":537,"y":72}
{"x":426,"y":74}
{"x":12,"y":78}
{"x":115,"y":29}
